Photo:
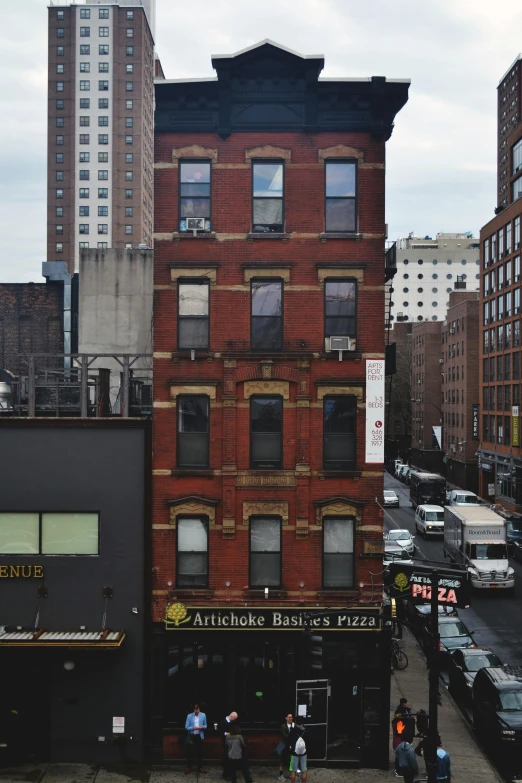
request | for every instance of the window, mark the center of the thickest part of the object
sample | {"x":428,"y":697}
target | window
{"x":103,"y":192}
{"x":60,"y":104}
{"x":103,"y":32}
{"x":129,"y":51}
{"x":103,"y":103}
{"x":267,"y":315}
{"x":59,"y":140}
{"x":129,"y":86}
{"x":59,"y":193}
{"x":129,"y":104}
{"x":103,"y":86}
{"x":59,"y":247}
{"x":85,"y":86}
{"x":338,"y":553}
{"x":84,"y":245}
{"x":517,"y":156}
{"x":339,"y":432}
{"x":84,"y":174}
{"x":85,"y":49}
{"x":59,"y":68}
{"x":59,"y":86}
{"x":102,"y":245}
{"x":340,"y":193}
{"x":59,"y":211}
{"x":60,"y":122}
{"x":128,"y":176}
{"x":84,"y":192}
{"x":129,"y":141}
{"x":130,"y":32}
{"x":267,"y":197}
{"x":266,"y":429}
{"x":128,"y":229}
{"x":128,"y":193}
{"x":516,"y":228}
{"x":85,"y":32}
{"x":60,"y":14}
{"x":517,"y":188}
{"x":129,"y":68}
{"x":103,"y":211}
{"x":192,"y":552}
{"x":103,"y":174}
{"x":128,"y":157}
{"x":193,"y":431}
{"x":85,"y":121}
{"x":103,"y":121}
{"x":59,"y":228}
{"x":85,"y":67}
{"x":103,"y":228}
{"x":103,"y":157}
{"x":340,"y":308}
{"x":59,"y":157}
{"x":84,"y":228}
{"x":103,"y":49}
{"x":128,"y":122}
{"x":84,"y":138}
{"x":193,"y":314}
{"x":85,"y":13}
{"x":103,"y":138}
{"x":59,"y":51}
{"x":104,"y":13}
{"x":128,"y":211}
{"x":129,"y":15}
{"x":59,"y":32}
{"x":84,"y":211}
{"x":59,"y":176}
{"x":265,"y":551}
{"x":103,"y":67}
{"x":85,"y":103}
{"x":85,"y":157}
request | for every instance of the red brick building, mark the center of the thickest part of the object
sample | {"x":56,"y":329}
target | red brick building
{"x":269,"y":243}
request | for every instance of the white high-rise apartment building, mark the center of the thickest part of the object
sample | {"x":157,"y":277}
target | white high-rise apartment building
{"x":100,"y":127}
{"x":428,"y":270}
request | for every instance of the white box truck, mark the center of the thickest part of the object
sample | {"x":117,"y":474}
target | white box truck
{"x":476,"y":538}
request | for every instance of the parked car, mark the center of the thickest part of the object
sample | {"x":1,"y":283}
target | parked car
{"x":403,"y":473}
{"x":390,"y":498}
{"x":453,"y":636}
{"x":514,"y":538}
{"x":463,"y":666}
{"x":460,"y":497}
{"x":429,"y":520}
{"x":394,"y":553}
{"x":497,"y":708}
{"x":396,"y":465}
{"x":402,"y":539}
{"x":418,"y":613}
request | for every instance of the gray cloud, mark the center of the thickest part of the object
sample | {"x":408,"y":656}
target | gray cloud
{"x":441,"y":158}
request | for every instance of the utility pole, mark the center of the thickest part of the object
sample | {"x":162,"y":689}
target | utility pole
{"x":433,"y":730}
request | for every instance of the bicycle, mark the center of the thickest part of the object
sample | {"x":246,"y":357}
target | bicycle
{"x":399,"y":657}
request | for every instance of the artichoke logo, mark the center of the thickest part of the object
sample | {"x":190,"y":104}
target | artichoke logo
{"x":176,"y":614}
{"x":401,"y":582}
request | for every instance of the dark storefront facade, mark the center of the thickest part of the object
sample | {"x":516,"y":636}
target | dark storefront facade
{"x":73,"y":510}
{"x":261,"y":663}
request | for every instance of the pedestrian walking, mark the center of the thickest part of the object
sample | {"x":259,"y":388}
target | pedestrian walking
{"x":406,"y":762}
{"x":283,"y":747}
{"x":224,"y":726}
{"x":297,"y":751}
{"x":195,"y":725}
{"x":237,"y":754}
{"x":403,"y":707}
{"x":443,"y":764}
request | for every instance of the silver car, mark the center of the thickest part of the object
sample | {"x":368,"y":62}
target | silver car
{"x":402,"y":539}
{"x":390,"y":498}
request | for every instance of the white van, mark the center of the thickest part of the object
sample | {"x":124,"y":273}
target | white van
{"x":429,"y":520}
{"x":396,"y":465}
{"x":460,"y":497}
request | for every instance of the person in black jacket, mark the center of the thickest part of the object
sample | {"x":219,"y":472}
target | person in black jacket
{"x":285,"y":729}
{"x":224,"y":728}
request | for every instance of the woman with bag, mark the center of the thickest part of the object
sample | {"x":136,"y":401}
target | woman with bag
{"x":236,"y":752}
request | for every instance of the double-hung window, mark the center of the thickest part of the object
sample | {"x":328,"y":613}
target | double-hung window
{"x":267,"y":197}
{"x":192,"y":552}
{"x":266,"y":431}
{"x":340,"y":308}
{"x":193,"y":431}
{"x":267,"y":315}
{"x":85,"y":32}
{"x":338,"y":553}
{"x":339,"y":432}
{"x":194,"y":191}
{"x":265,"y":551}
{"x":193,"y":314}
{"x":340,"y":196}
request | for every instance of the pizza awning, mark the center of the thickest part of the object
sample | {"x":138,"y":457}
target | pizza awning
{"x":86,"y":640}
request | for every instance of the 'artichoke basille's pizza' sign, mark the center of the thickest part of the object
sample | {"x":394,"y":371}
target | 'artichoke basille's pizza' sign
{"x":374,"y":451}
{"x":414,"y":582}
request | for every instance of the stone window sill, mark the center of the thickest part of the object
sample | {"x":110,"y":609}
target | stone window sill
{"x":268,"y":235}
{"x":198,"y":592}
{"x":340,"y":235}
{"x":340,"y":473}
{"x":273,"y":593}
{"x":192,"y":472}
{"x":189,"y":235}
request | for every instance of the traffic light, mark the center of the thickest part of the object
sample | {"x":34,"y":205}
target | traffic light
{"x":315,"y":653}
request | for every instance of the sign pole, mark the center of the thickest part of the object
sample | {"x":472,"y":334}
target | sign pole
{"x":433,"y":730}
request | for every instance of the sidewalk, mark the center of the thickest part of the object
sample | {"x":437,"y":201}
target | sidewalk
{"x":469,"y":765}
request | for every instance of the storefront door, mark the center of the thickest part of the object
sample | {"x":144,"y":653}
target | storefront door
{"x":24,"y":720}
{"x":312,"y":702}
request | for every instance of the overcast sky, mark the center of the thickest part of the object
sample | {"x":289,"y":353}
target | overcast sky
{"x":441,"y":157}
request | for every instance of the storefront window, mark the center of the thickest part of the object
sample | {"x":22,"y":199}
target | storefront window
{"x":338,"y":565}
{"x":505,"y":482}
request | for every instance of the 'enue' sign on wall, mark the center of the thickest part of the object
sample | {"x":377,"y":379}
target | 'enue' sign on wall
{"x":374,"y":410}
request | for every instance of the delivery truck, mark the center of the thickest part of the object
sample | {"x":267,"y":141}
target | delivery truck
{"x":476,"y":538}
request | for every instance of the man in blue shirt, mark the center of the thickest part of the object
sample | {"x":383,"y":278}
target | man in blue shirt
{"x":443,"y":765}
{"x":195,"y":725}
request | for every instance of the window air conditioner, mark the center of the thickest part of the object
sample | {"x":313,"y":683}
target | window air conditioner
{"x":452,"y":331}
{"x":517,"y":245}
{"x":517,"y":278}
{"x":195,"y":224}
{"x":441,"y":361}
{"x":340,"y":344}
